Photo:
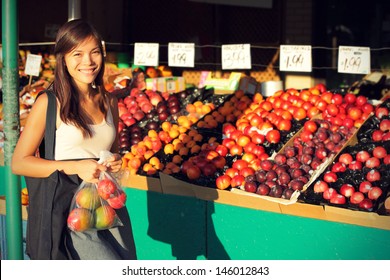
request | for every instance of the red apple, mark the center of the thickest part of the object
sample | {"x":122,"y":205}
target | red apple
{"x":237,"y":181}
{"x":320,"y":186}
{"x":356,"y":197}
{"x":374,"y":193}
{"x":365,"y":186}
{"x":381,"y":112}
{"x":386,"y":160}
{"x":377,"y":135}
{"x":373,"y":175}
{"x":372,"y":162}
{"x":379,"y":152}
{"x":338,"y":167}
{"x":117,"y":201}
{"x":223,"y":182}
{"x":106,"y":188}
{"x":345,"y":158}
{"x":80,"y":219}
{"x":355,"y":165}
{"x":366,"y":204}
{"x":329,"y":193}
{"x":362,"y":156}
{"x":385,"y":125}
{"x":330,"y":177}
{"x":231,"y":172}
{"x":338,"y":199}
{"x":347,"y":190}
{"x":222,"y":150}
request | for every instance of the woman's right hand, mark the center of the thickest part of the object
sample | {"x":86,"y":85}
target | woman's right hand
{"x":89,"y":170}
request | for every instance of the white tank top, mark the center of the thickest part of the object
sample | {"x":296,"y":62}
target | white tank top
{"x":70,"y":143}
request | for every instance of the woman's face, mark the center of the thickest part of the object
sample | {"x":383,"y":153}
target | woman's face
{"x":84,"y":62}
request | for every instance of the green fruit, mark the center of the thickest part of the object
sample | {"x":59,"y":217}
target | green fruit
{"x":104,"y":217}
{"x":88,"y":198}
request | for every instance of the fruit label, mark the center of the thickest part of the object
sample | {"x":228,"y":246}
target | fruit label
{"x":236,"y":56}
{"x":181,"y":54}
{"x":295,"y":58}
{"x":33,"y":64}
{"x":354,"y":60}
{"x":146,"y":54}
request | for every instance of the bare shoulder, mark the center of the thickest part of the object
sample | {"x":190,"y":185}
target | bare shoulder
{"x":40,"y":102}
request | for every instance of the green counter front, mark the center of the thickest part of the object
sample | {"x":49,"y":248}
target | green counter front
{"x":177,"y":227}
{"x":169,"y":226}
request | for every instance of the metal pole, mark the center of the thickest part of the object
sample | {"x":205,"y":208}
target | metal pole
{"x":11,"y":127}
{"x":74,"y":9}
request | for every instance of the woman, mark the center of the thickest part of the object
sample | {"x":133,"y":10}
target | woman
{"x":87,"y":118}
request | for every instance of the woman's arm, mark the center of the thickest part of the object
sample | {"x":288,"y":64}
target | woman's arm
{"x":24,"y":162}
{"x":114,"y":163}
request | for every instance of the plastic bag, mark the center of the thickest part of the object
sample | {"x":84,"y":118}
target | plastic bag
{"x":93,"y":205}
{"x":109,"y":189}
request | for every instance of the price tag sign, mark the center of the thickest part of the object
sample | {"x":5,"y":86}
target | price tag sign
{"x":354,"y":60}
{"x":33,"y":64}
{"x":295,"y":58}
{"x":146,"y":54}
{"x":236,"y":56}
{"x":181,"y":54}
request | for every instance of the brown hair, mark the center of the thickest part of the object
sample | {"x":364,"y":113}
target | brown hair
{"x":69,"y":36}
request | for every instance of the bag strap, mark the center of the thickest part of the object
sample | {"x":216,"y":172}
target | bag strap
{"x":47,"y":146}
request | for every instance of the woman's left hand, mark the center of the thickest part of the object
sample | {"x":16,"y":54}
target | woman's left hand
{"x":114,"y":163}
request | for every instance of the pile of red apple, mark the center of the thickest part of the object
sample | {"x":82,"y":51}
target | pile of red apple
{"x":292,"y":168}
{"x":377,"y":127}
{"x":358,"y":178}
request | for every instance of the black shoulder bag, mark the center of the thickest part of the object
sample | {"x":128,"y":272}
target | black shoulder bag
{"x":49,"y":201}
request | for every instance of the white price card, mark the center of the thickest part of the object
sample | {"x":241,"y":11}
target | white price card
{"x":33,"y":64}
{"x":295,"y":58}
{"x":181,"y":54}
{"x":354,"y":60}
{"x":146,"y":54}
{"x":236,"y":56}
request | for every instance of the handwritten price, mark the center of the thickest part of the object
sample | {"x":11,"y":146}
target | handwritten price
{"x":235,"y":58}
{"x":179,"y":58}
{"x":355,"y":60}
{"x":294,"y":60}
{"x":143,"y":57}
{"x":351,"y":63}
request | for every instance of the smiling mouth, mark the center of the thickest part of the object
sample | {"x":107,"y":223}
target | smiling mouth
{"x":87,"y":71}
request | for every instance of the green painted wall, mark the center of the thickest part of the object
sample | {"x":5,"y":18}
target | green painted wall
{"x":255,"y":235}
{"x":176,"y":227}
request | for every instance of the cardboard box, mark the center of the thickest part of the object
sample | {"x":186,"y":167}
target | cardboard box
{"x":361,"y":218}
{"x":220,"y":85}
{"x":171,"y":185}
{"x":166,"y":84}
{"x":141,"y":182}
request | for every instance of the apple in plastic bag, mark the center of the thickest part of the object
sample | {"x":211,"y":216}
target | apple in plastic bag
{"x":106,"y":188}
{"x":117,"y":201}
{"x":80,"y":219}
{"x":88,"y":198}
{"x":104,"y":217}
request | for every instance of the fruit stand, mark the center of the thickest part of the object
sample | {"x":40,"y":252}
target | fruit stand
{"x":302,"y":174}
